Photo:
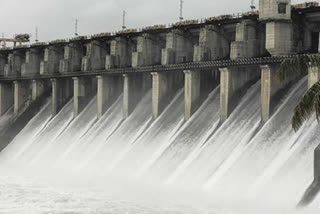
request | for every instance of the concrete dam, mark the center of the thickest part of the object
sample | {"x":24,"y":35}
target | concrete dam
{"x":164,"y":119}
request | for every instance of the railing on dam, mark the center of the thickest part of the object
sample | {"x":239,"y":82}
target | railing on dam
{"x":163,"y":68}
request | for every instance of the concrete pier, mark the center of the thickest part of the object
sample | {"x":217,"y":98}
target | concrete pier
{"x":313,"y":76}
{"x":234,"y":82}
{"x":132,"y":92}
{"x":72,"y":61}
{"x":319,"y":44}
{"x":3,"y":62}
{"x":164,"y":87}
{"x":31,"y":66}
{"x":39,"y":87}
{"x":6,"y":97}
{"x":83,"y":89}
{"x":96,"y":52}
{"x":192,"y":93}
{"x":279,"y":33}
{"x":120,"y":54}
{"x":246,"y":44}
{"x":62,"y":92}
{"x":212,"y":45}
{"x":108,"y":89}
{"x":21,"y":95}
{"x":148,"y":51}
{"x":271,"y":86}
{"x":51,"y":60}
{"x":15,"y":60}
{"x":179,"y":48}
{"x":317,"y":165}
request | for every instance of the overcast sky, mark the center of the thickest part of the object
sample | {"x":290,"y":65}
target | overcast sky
{"x":55,"y":18}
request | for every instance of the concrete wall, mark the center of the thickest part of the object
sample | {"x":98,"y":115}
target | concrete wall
{"x":3,"y":62}
{"x":279,"y":38}
{"x":179,"y":48}
{"x":51,"y":60}
{"x":6,"y":97}
{"x":108,"y":90}
{"x":96,"y":52}
{"x":22,"y":94}
{"x":39,"y":87}
{"x":268,"y":10}
{"x":134,"y":87}
{"x":164,"y":86}
{"x":319,"y":44}
{"x":31,"y":66}
{"x":15,"y":60}
{"x":313,"y":76}
{"x":198,"y":84}
{"x":212,"y":44}
{"x":246,"y":44}
{"x":234,"y":82}
{"x":271,"y":87}
{"x":83,"y":90}
{"x":73,"y":54}
{"x":62,"y":91}
{"x":148,"y":51}
{"x":317,"y":165}
{"x":120,"y":54}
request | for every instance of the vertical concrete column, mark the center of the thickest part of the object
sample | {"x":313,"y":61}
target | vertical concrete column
{"x":246,"y":43}
{"x":164,"y":86}
{"x":31,"y":65}
{"x":277,"y":16}
{"x":38,"y":88}
{"x":21,"y":95}
{"x":6,"y":97}
{"x":148,"y":51}
{"x":51,"y":60}
{"x":271,"y":85}
{"x":82,"y":91}
{"x":109,"y":88}
{"x":15,"y":60}
{"x":224,"y":93}
{"x":212,"y":45}
{"x":234,"y":82}
{"x":132,"y":92}
{"x":192,"y":92}
{"x":313,"y":75}
{"x":73,"y":54}
{"x":159,"y":92}
{"x":120,"y":54}
{"x":319,"y":44}
{"x":61,"y":94}
{"x":94,"y":59}
{"x":3,"y":62}
{"x":317,"y":165}
{"x":179,"y":48}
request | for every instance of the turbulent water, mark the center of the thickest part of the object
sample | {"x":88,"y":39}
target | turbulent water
{"x":140,"y":165}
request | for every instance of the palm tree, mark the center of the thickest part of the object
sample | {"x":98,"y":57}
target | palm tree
{"x":307,"y":107}
{"x":310,"y":103}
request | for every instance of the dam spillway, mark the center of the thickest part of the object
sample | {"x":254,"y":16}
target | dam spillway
{"x":130,"y":115}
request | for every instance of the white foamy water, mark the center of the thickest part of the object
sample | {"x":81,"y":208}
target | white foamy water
{"x":63,"y":164}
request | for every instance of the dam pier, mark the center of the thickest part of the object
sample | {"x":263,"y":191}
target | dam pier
{"x":230,"y":52}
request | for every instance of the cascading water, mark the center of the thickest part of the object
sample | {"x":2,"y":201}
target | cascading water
{"x":194,"y":132}
{"x":161,"y":131}
{"x":100,"y":166}
{"x":231,"y":137}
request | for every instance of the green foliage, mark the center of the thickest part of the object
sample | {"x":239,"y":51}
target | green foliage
{"x":309,"y":105}
{"x":298,"y":65}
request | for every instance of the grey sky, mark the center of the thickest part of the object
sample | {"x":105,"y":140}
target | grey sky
{"x":55,"y":18}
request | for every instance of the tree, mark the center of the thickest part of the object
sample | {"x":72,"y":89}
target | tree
{"x":310,"y":103}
